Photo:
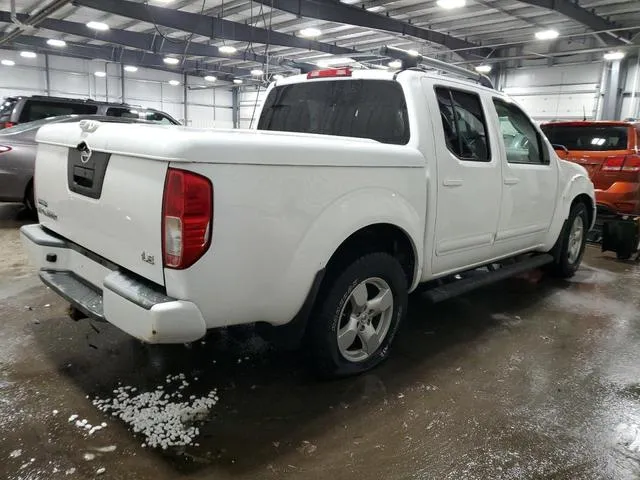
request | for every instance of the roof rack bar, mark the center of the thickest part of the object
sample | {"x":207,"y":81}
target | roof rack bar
{"x":409,"y":60}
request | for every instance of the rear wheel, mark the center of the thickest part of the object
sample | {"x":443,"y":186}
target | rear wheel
{"x":569,"y":250}
{"x":357,"y":316}
{"x":29,"y":199}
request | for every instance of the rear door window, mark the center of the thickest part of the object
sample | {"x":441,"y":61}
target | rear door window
{"x":374,"y":109}
{"x":593,"y":138}
{"x":39,"y":109}
{"x":157,"y":117}
{"x":122,"y":112}
{"x":464,"y":124}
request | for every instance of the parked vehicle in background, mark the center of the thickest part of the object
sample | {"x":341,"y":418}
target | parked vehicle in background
{"x":610,"y":151}
{"x":18,"y":156}
{"x":16,"y":110}
{"x":357,"y":187}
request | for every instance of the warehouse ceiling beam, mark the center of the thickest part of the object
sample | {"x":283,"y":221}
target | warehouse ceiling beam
{"x":207,"y":26}
{"x":142,"y":41}
{"x":583,"y":16}
{"x":128,"y":57}
{"x":334,"y":11}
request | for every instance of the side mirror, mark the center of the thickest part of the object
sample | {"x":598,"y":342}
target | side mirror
{"x":561,"y":147}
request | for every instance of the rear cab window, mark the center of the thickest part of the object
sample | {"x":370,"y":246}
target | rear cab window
{"x":590,"y":138}
{"x":374,"y":109}
{"x":38,"y":109}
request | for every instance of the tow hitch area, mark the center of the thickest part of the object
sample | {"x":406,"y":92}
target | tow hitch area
{"x":621,"y":235}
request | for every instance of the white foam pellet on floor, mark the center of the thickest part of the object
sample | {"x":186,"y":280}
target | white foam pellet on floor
{"x":15,"y":453}
{"x":158,"y":415}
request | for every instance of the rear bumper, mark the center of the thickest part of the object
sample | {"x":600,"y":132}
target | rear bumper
{"x":621,"y":197}
{"x":102,"y":291}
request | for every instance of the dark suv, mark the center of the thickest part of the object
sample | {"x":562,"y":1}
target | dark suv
{"x":15,"y":110}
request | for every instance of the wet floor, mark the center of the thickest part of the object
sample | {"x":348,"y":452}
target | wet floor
{"x":523,"y":380}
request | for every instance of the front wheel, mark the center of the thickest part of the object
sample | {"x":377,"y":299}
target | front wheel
{"x":569,"y":250}
{"x":357,"y":316}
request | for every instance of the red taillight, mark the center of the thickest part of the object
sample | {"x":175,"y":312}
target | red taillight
{"x":330,"y":72}
{"x":4,"y":149}
{"x":187,"y":214}
{"x":7,"y":124}
{"x":631,"y":164}
{"x":613,"y":164}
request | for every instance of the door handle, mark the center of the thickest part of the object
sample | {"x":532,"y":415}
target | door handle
{"x":452,"y":182}
{"x":511,"y":181}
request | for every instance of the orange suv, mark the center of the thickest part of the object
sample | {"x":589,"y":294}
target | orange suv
{"x":610,"y":151}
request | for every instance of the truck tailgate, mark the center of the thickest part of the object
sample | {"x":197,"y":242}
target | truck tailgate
{"x":104,"y":200}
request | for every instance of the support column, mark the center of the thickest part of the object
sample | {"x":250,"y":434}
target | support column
{"x":611,"y":94}
{"x":47,"y":76}
{"x":184,"y":98}
{"x":122,"y":83}
{"x":235,"y":105}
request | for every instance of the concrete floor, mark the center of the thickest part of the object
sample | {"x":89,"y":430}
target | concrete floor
{"x":521,"y":380}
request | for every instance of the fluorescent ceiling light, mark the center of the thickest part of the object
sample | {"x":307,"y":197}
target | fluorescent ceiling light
{"x":256,"y":72}
{"x":100,"y":74}
{"x":377,"y":8}
{"x":171,"y":60}
{"x":130,"y":68}
{"x":451,"y":4}
{"x":174,"y":83}
{"x":334,"y":61}
{"x":7,"y":63}
{"x":611,"y":56}
{"x":134,"y":112}
{"x":237,"y":81}
{"x":54,"y":42}
{"x":27,"y":54}
{"x":483,"y":68}
{"x":310,"y":32}
{"x":395,"y":64}
{"x":547,"y":34}
{"x":210,"y":78}
{"x":98,"y":26}
{"x":227,"y":49}
{"x":277,"y":77}
{"x":349,"y":2}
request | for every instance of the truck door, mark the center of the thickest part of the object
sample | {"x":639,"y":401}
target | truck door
{"x":469,"y":181}
{"x":530,"y":181}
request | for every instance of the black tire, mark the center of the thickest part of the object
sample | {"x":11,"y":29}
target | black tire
{"x":322,"y":331}
{"x":562,"y":266}
{"x":29,"y":200}
{"x":624,"y":255}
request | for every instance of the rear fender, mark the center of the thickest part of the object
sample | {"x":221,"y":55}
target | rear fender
{"x":338,"y":221}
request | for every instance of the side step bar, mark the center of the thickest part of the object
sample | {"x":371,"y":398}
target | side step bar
{"x":459,"y":287}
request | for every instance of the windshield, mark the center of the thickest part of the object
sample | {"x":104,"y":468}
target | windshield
{"x":595,"y":138}
{"x":374,"y":109}
{"x":6,"y":107}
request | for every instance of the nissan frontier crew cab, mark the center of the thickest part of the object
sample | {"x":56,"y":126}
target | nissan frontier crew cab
{"x":356,"y":188}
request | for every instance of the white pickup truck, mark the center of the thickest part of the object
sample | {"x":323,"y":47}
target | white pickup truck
{"x":356,"y":188}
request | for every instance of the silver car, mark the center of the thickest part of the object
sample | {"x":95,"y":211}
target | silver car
{"x":18,"y":156}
